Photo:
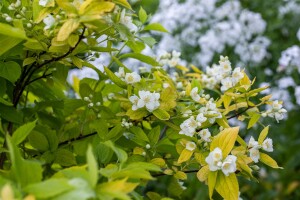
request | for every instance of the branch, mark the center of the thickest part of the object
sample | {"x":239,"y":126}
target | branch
{"x":187,"y":172}
{"x":40,"y":77}
{"x":76,"y":139}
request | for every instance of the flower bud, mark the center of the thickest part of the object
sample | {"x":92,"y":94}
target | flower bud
{"x":90,"y":105}
{"x":98,"y":103}
{"x":29,"y":25}
{"x":8,"y":19}
{"x":86,"y":98}
{"x":148,"y":146}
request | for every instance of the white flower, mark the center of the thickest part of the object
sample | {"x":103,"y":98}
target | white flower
{"x":214,"y":159}
{"x":134,"y":100}
{"x":267,"y":145}
{"x":237,"y":75}
{"x":191,"y":146}
{"x":127,"y":21}
{"x":46,"y":3}
{"x":120,"y":73}
{"x":200,"y":118}
{"x":229,"y":165}
{"x":225,"y":64}
{"x":205,"y":135}
{"x":194,"y":94}
{"x":254,"y":154}
{"x":131,"y":78}
{"x":187,"y":113}
{"x":253,"y":144}
{"x":226,"y":84}
{"x":188,"y":127}
{"x":149,"y":100}
{"x":49,"y":21}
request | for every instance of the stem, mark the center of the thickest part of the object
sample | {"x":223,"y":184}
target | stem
{"x":187,"y":172}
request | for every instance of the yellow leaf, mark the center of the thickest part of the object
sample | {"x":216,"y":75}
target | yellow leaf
{"x":93,"y":10}
{"x":7,"y":193}
{"x":138,"y":151}
{"x":245,"y":80}
{"x":264,"y":158}
{"x":182,"y":68}
{"x":225,"y":140}
{"x":212,"y":178}
{"x":228,"y":186}
{"x":263,"y":134}
{"x":158,"y":161}
{"x":184,"y":156}
{"x":196,"y":69}
{"x":67,"y":28}
{"x":226,"y":101}
{"x":200,"y":158}
{"x":180,"y":175}
{"x":202,"y":174}
{"x":118,"y":186}
{"x":223,"y":122}
{"x":188,"y":89}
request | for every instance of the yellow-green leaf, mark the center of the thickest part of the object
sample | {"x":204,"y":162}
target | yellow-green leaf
{"x":228,"y":186}
{"x":136,"y":114}
{"x":92,"y":166}
{"x":161,"y":114}
{"x":202,"y":174}
{"x":155,"y":27}
{"x":115,"y":79}
{"x":180,"y":175}
{"x":123,"y":3}
{"x":263,"y":134}
{"x":67,"y":28}
{"x":184,"y":156}
{"x":212,"y":178}
{"x":225,"y":140}
{"x":264,"y":158}
{"x":253,"y":119}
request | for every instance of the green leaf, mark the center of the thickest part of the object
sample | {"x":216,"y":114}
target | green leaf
{"x":10,"y":70}
{"x":121,"y":154}
{"x":136,"y":46}
{"x":28,"y":61}
{"x":253,"y":119}
{"x":36,"y":45}
{"x":146,"y":59}
{"x":150,"y":41}
{"x":7,"y":43}
{"x":67,"y":28}
{"x":22,"y":132}
{"x":212,"y":178}
{"x":155,"y":27}
{"x":264,"y":158}
{"x":6,"y":29}
{"x":48,"y":188}
{"x":38,"y":141}
{"x":115,"y":133}
{"x":161,"y":114}
{"x":228,"y":186}
{"x":142,"y":15}
{"x":263,"y":134}
{"x":104,"y":153}
{"x":123,"y":3}
{"x":139,"y":135}
{"x":11,"y":114}
{"x":225,"y":140}
{"x":115,"y":79}
{"x":64,"y":158}
{"x":23,"y":171}
{"x":92,"y":166}
{"x":154,"y":135}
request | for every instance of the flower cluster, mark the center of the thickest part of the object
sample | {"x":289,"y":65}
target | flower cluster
{"x":145,"y":99}
{"x":126,"y":123}
{"x":205,"y":135}
{"x":208,"y":112}
{"x":229,"y":26}
{"x":129,"y":78}
{"x":169,"y":59}
{"x":223,"y":74}
{"x":276,"y":111}
{"x":254,"y":146}
{"x":215,"y":162}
